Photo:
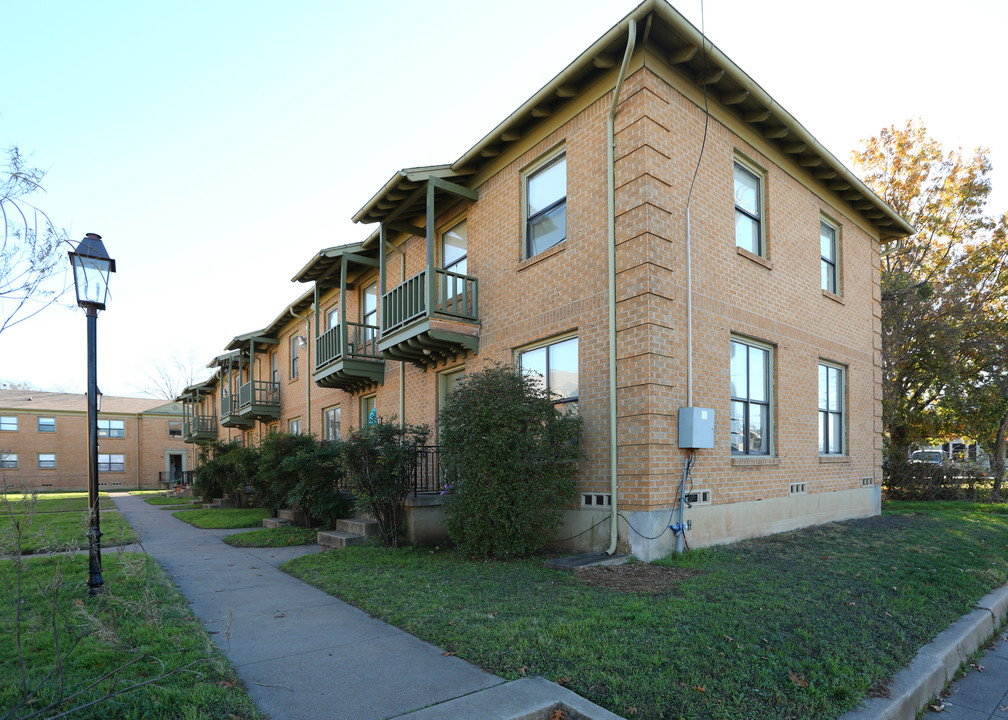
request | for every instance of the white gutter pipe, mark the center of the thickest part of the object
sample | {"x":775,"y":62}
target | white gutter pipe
{"x":611,"y":193}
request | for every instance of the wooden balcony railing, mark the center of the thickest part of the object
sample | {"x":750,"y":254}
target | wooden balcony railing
{"x":256,"y":393}
{"x":455,"y":297}
{"x":361,"y":343}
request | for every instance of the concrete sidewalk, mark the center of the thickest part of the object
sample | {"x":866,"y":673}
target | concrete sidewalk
{"x":982,"y":694}
{"x":300,"y":652}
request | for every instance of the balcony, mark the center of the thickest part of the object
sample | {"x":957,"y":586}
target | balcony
{"x":229,"y":416}
{"x":259,"y":400}
{"x":426,"y":325}
{"x":199,"y":429}
{"x":347,"y":357}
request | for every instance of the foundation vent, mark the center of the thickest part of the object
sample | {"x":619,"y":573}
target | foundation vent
{"x":867,"y":481}
{"x":596,"y":500}
{"x":699,"y":497}
{"x":799,"y":488}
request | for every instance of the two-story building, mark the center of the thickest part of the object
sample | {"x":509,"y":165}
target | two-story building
{"x":44,"y":441}
{"x":650,"y":231}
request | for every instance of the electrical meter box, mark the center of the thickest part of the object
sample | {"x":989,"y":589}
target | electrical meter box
{"x":696,"y":428}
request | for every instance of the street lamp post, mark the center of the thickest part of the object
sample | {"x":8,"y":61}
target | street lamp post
{"x":91,"y":267}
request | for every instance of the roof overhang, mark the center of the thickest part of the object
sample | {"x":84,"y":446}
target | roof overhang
{"x":323,"y":268}
{"x":664,"y":33}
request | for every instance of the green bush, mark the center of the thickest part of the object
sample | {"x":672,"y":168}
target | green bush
{"x":510,"y":458}
{"x":319,"y":469}
{"x":380,"y":459}
{"x":275,"y":479}
{"x":209,"y":480}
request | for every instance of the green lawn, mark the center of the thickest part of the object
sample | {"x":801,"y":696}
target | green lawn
{"x":800,"y":624}
{"x":140,"y":620}
{"x":228,"y":518}
{"x":180,"y":501}
{"x":56,"y":531}
{"x":57,"y":502}
{"x":274,"y":537}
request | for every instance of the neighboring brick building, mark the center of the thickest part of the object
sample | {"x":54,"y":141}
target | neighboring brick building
{"x":44,"y":441}
{"x":503,"y":256}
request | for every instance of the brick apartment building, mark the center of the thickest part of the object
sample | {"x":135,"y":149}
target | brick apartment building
{"x":44,"y":441}
{"x":758,"y":302}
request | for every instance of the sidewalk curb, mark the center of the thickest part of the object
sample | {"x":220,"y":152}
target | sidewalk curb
{"x":936,"y":663}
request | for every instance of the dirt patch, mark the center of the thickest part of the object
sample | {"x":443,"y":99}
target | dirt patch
{"x":636,"y":577}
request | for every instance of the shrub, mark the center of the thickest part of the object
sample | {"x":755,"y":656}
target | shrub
{"x":380,"y":458}
{"x":213,"y":478}
{"x":510,"y":457}
{"x":319,"y":469}
{"x":274,"y":480}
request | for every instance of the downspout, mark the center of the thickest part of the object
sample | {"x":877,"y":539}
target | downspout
{"x":611,"y":198}
{"x":308,"y":371}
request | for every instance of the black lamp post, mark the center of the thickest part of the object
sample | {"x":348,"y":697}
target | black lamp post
{"x":91,"y":267}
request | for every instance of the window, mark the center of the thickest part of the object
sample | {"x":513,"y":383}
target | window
{"x":828,"y":253}
{"x":295,"y":354}
{"x":8,"y":423}
{"x":369,"y":313}
{"x":111,"y":428}
{"x":46,"y":460}
{"x":750,"y":398}
{"x":546,"y":206}
{"x":454,"y":242}
{"x":174,"y":429}
{"x":556,"y":364}
{"x":331,"y":423}
{"x":369,"y":410}
{"x":748,"y":209}
{"x":333,"y":318}
{"x":111,"y":463}
{"x":46,"y":424}
{"x":831,"y":419}
{"x":294,"y":426}
{"x":274,"y":368}
{"x":8,"y":461}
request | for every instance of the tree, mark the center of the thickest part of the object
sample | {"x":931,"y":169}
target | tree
{"x":940,"y":284}
{"x":168,"y":376}
{"x":33,"y":253}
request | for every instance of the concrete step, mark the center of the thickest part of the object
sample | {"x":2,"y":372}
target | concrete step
{"x":338,"y":539}
{"x":275,"y":522}
{"x":358,"y":526}
{"x":294,"y":517}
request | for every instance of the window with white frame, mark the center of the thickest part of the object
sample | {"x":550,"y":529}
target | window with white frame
{"x":274,"y":367}
{"x":331,"y":423}
{"x":111,"y":428}
{"x":8,"y":423}
{"x":47,"y":424}
{"x":831,"y":409}
{"x":174,"y":428}
{"x":828,"y":256}
{"x":749,"y":208}
{"x":295,"y":355}
{"x":454,"y":248}
{"x":46,"y":460}
{"x":555,"y":364}
{"x":369,"y":314}
{"x":294,"y":426}
{"x":546,"y":206}
{"x":111,"y":462}
{"x":8,"y":461}
{"x":332,"y":318}
{"x":751,"y":409}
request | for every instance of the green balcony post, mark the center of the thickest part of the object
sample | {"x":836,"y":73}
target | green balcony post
{"x":431,"y":289}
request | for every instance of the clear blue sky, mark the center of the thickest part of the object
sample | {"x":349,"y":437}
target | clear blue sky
{"x":217,"y":146}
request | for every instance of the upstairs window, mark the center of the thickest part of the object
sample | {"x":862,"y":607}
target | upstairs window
{"x":174,"y":429}
{"x":295,"y":355}
{"x":8,"y":423}
{"x":47,"y":424}
{"x":749,"y":209}
{"x":454,"y":245}
{"x":828,"y":256}
{"x":274,"y":368}
{"x":369,"y":314}
{"x":111,"y":428}
{"x":546,"y":206}
{"x":332,"y":318}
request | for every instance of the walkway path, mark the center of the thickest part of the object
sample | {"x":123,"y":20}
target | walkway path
{"x":300,"y":652}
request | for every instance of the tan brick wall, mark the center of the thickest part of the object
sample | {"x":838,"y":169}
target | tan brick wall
{"x":143,"y":448}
